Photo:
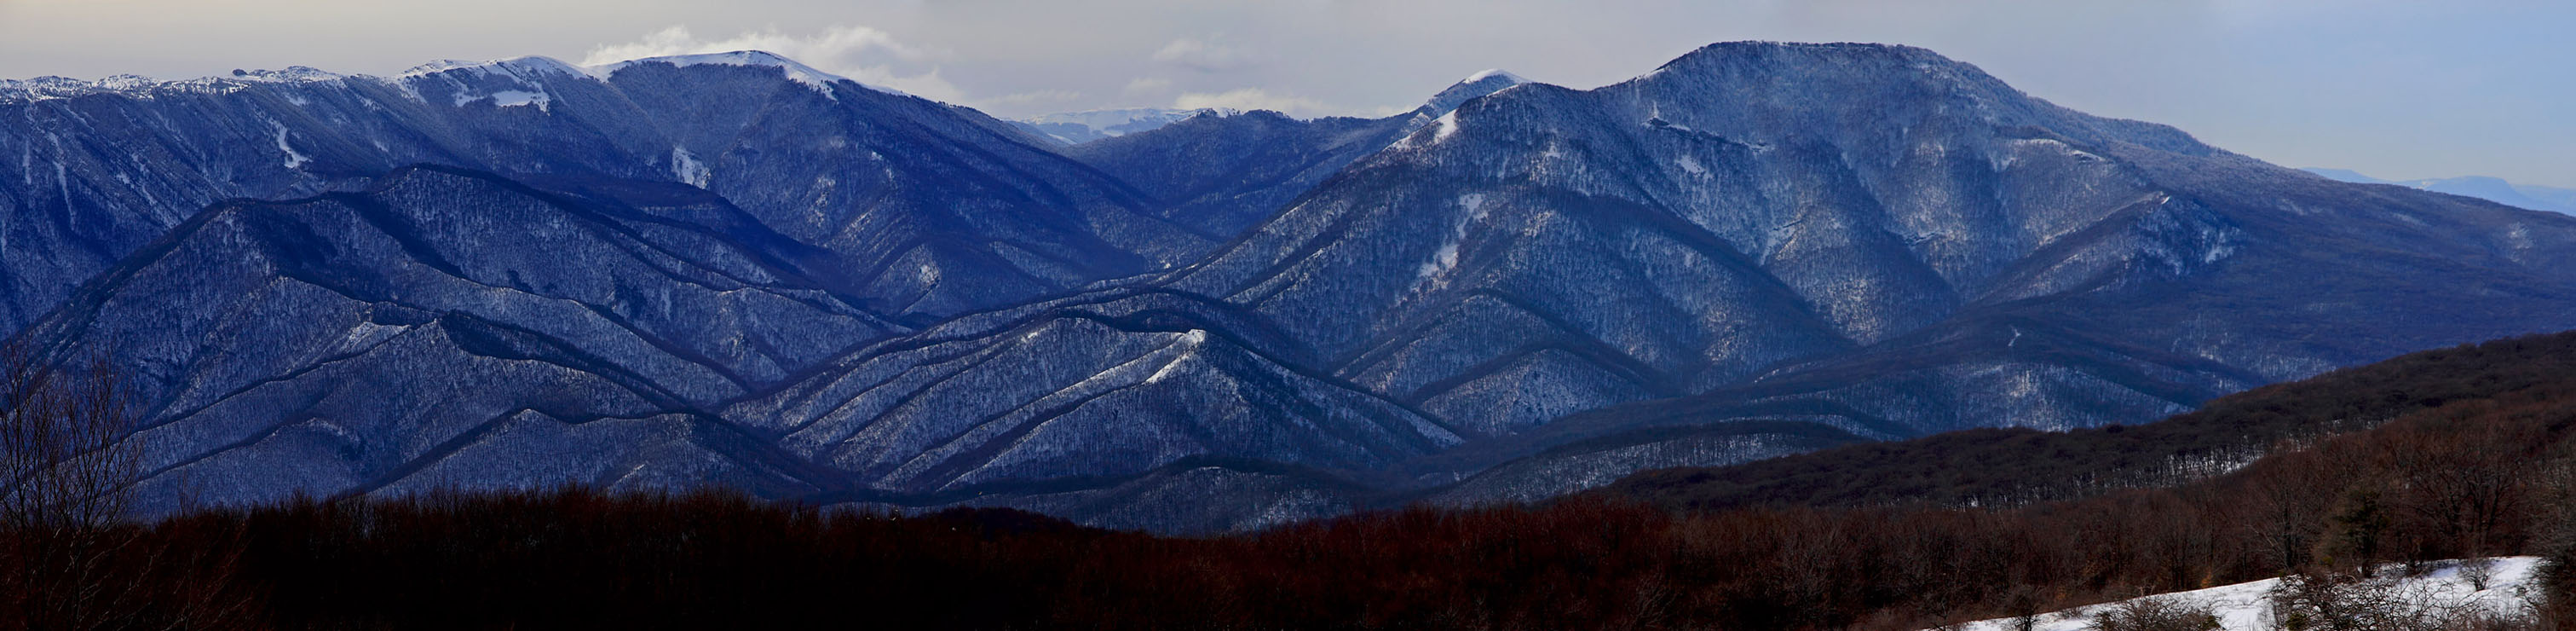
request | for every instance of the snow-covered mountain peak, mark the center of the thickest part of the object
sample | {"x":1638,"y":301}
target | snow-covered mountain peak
{"x":292,"y":74}
{"x":1799,"y":62}
{"x":1475,"y":85}
{"x":518,"y":81}
{"x":1799,"y":86}
{"x":795,"y":71}
{"x":1837,"y":50}
{"x":40,"y":88}
{"x":1490,"y":73}
{"x":52,"y":87}
{"x":525,"y":67}
{"x":1441,"y":110}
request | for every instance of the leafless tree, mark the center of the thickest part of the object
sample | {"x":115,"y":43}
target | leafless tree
{"x":65,"y":465}
{"x":70,"y":557}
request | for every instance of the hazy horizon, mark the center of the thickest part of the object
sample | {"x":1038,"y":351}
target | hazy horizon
{"x":2389,"y":89}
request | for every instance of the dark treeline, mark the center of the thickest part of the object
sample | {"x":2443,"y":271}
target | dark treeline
{"x":576,"y":559}
{"x":2476,"y":473}
{"x":1991,"y":466}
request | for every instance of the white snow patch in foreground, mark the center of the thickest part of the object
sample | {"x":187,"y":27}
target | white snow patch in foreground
{"x":2248,"y":606}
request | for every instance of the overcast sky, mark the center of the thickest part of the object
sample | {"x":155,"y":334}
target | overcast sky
{"x":2392,"y":89}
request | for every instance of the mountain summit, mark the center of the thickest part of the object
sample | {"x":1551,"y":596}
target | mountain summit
{"x":1475,"y":85}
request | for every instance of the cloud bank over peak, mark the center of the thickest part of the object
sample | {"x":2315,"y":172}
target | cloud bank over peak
{"x":876,"y":57}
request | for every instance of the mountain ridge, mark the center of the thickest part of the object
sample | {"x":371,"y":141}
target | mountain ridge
{"x":851,"y":174}
{"x":2143,"y":243}
{"x":1753,"y":250}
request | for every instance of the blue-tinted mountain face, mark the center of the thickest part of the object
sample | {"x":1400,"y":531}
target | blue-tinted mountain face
{"x":729,"y":271}
{"x":1224,"y":172}
{"x":910,"y":191}
{"x":420,"y":329}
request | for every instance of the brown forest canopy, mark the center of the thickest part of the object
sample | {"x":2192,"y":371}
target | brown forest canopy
{"x":2472,"y":458}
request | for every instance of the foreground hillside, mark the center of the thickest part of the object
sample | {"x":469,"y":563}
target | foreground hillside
{"x":2011,"y":466}
{"x":2484,"y":471}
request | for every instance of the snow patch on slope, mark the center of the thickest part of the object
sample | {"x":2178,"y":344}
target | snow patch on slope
{"x":1188,"y":344}
{"x":686,"y":168}
{"x":1440,"y":129}
{"x":294,"y":160}
{"x":1691,"y":165}
{"x":1446,"y":258}
{"x":509,"y":98}
{"x":1446,"y":126}
{"x":468,"y":82}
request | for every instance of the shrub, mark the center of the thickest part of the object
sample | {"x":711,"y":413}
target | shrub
{"x":2156,"y":613}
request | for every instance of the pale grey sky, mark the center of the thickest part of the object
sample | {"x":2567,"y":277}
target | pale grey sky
{"x":2392,"y":89}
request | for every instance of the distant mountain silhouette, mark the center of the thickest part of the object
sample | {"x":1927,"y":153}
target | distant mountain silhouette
{"x":2560,"y":200}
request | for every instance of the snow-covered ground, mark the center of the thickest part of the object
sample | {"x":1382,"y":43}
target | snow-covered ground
{"x":2247,"y":606}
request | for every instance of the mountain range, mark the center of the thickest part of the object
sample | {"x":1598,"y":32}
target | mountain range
{"x":733,"y":269}
{"x":1075,"y":128}
{"x":2496,"y":190}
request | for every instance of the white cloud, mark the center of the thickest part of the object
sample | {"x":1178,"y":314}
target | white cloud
{"x":864,"y":54}
{"x":1203,"y":55}
{"x":1148,"y":85}
{"x":1034,"y":98}
{"x":1255,"y":99}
